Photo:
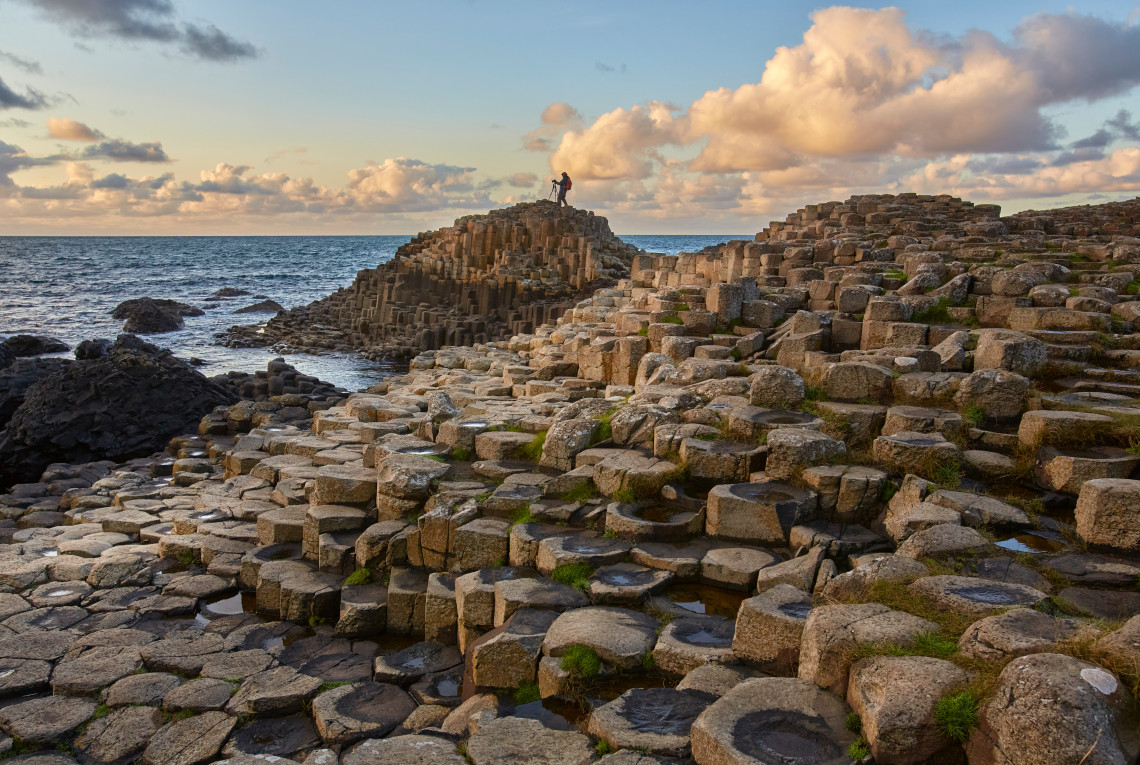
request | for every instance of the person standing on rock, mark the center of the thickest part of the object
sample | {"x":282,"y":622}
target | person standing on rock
{"x":563,"y":186}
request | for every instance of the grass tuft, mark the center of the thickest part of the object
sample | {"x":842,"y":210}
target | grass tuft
{"x":956,"y":715}
{"x":461,"y":455}
{"x":939,"y":312}
{"x":523,"y":515}
{"x":602,"y":747}
{"x":359,"y":577}
{"x":581,"y":661}
{"x":329,"y":685}
{"x":532,"y":452}
{"x":859,"y":749}
{"x":576,"y":575}
{"x":526,"y":693}
{"x":582,"y":491}
{"x":605,"y":431}
{"x":853,"y":723}
{"x":974,"y":416}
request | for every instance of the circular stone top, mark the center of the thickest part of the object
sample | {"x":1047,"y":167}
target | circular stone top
{"x":784,"y":736}
{"x":770,"y":491}
{"x":974,"y":594}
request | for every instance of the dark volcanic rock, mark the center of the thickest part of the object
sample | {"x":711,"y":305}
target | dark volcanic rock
{"x":227,"y":292}
{"x":265,"y":306}
{"x":93,"y":349}
{"x":6,"y":356}
{"x":150,"y":316}
{"x":20,"y":375}
{"x":34,"y":345}
{"x":127,"y":404}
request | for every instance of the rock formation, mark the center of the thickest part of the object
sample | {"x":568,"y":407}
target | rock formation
{"x":862,"y":488}
{"x":148,"y":316}
{"x":484,"y":278}
{"x":127,"y":403}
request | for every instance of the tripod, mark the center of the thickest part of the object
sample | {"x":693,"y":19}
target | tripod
{"x":553,"y":188}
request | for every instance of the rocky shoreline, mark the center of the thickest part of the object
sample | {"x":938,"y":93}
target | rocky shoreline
{"x":863,"y":489}
{"x":485,"y":278}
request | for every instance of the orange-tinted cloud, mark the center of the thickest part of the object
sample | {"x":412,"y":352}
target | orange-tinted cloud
{"x":69,"y":130}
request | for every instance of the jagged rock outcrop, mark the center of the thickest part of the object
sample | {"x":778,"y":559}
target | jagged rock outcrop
{"x":33,"y":345}
{"x":17,"y":377}
{"x":148,"y":316}
{"x":484,"y":278}
{"x":125,"y":404}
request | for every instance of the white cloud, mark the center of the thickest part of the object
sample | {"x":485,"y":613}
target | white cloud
{"x":394,"y":186}
{"x":864,"y":103}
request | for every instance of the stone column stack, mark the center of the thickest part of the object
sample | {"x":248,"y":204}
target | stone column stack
{"x":482,"y":279}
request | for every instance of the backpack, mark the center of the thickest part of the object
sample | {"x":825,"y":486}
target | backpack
{"x":568,"y":184}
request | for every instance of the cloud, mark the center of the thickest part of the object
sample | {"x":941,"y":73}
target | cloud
{"x":1123,"y":125}
{"x":522,"y":180}
{"x":1117,"y":172}
{"x":560,"y":114}
{"x":863,"y":83}
{"x":147,"y":21}
{"x":212,"y":44}
{"x":13,"y":158}
{"x":15,"y":122}
{"x":69,"y":130}
{"x":126,"y":151}
{"x":32,"y":99}
{"x":616,"y":145}
{"x":404,"y":185}
{"x":279,"y":154}
{"x":605,"y":68}
{"x":555,"y":118}
{"x":23,"y":64}
{"x":396,"y":186}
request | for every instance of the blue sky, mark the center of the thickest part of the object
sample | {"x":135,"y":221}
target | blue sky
{"x":349,"y":118}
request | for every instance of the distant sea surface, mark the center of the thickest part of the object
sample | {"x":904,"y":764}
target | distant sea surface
{"x":66,"y":287}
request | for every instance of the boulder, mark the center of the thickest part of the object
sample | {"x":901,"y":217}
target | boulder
{"x":148,"y":316}
{"x":895,"y":697}
{"x":124,"y":405}
{"x":522,"y":740}
{"x":265,"y":306}
{"x":401,"y":750}
{"x":791,"y":450}
{"x":769,"y":628}
{"x":1050,"y":709}
{"x":34,"y":345}
{"x":772,"y":720}
{"x":1009,"y":351}
{"x":776,"y":387}
{"x":833,"y":633}
{"x":1001,"y":395}
{"x":651,"y":720}
{"x":1107,"y":513}
{"x":1017,"y":632}
{"x":619,"y":636}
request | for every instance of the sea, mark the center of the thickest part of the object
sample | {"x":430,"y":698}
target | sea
{"x":66,"y":287}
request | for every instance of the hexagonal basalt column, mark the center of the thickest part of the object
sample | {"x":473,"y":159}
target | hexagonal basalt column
{"x":758,"y":512}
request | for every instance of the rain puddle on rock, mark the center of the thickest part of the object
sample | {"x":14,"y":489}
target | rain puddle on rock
{"x":705,"y":599}
{"x":447,"y":688}
{"x":238,"y":603}
{"x":1032,"y":543}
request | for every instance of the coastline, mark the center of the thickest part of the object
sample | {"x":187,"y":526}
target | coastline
{"x":879,"y":456}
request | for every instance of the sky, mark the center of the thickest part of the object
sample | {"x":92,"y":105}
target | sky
{"x":171,"y":117}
